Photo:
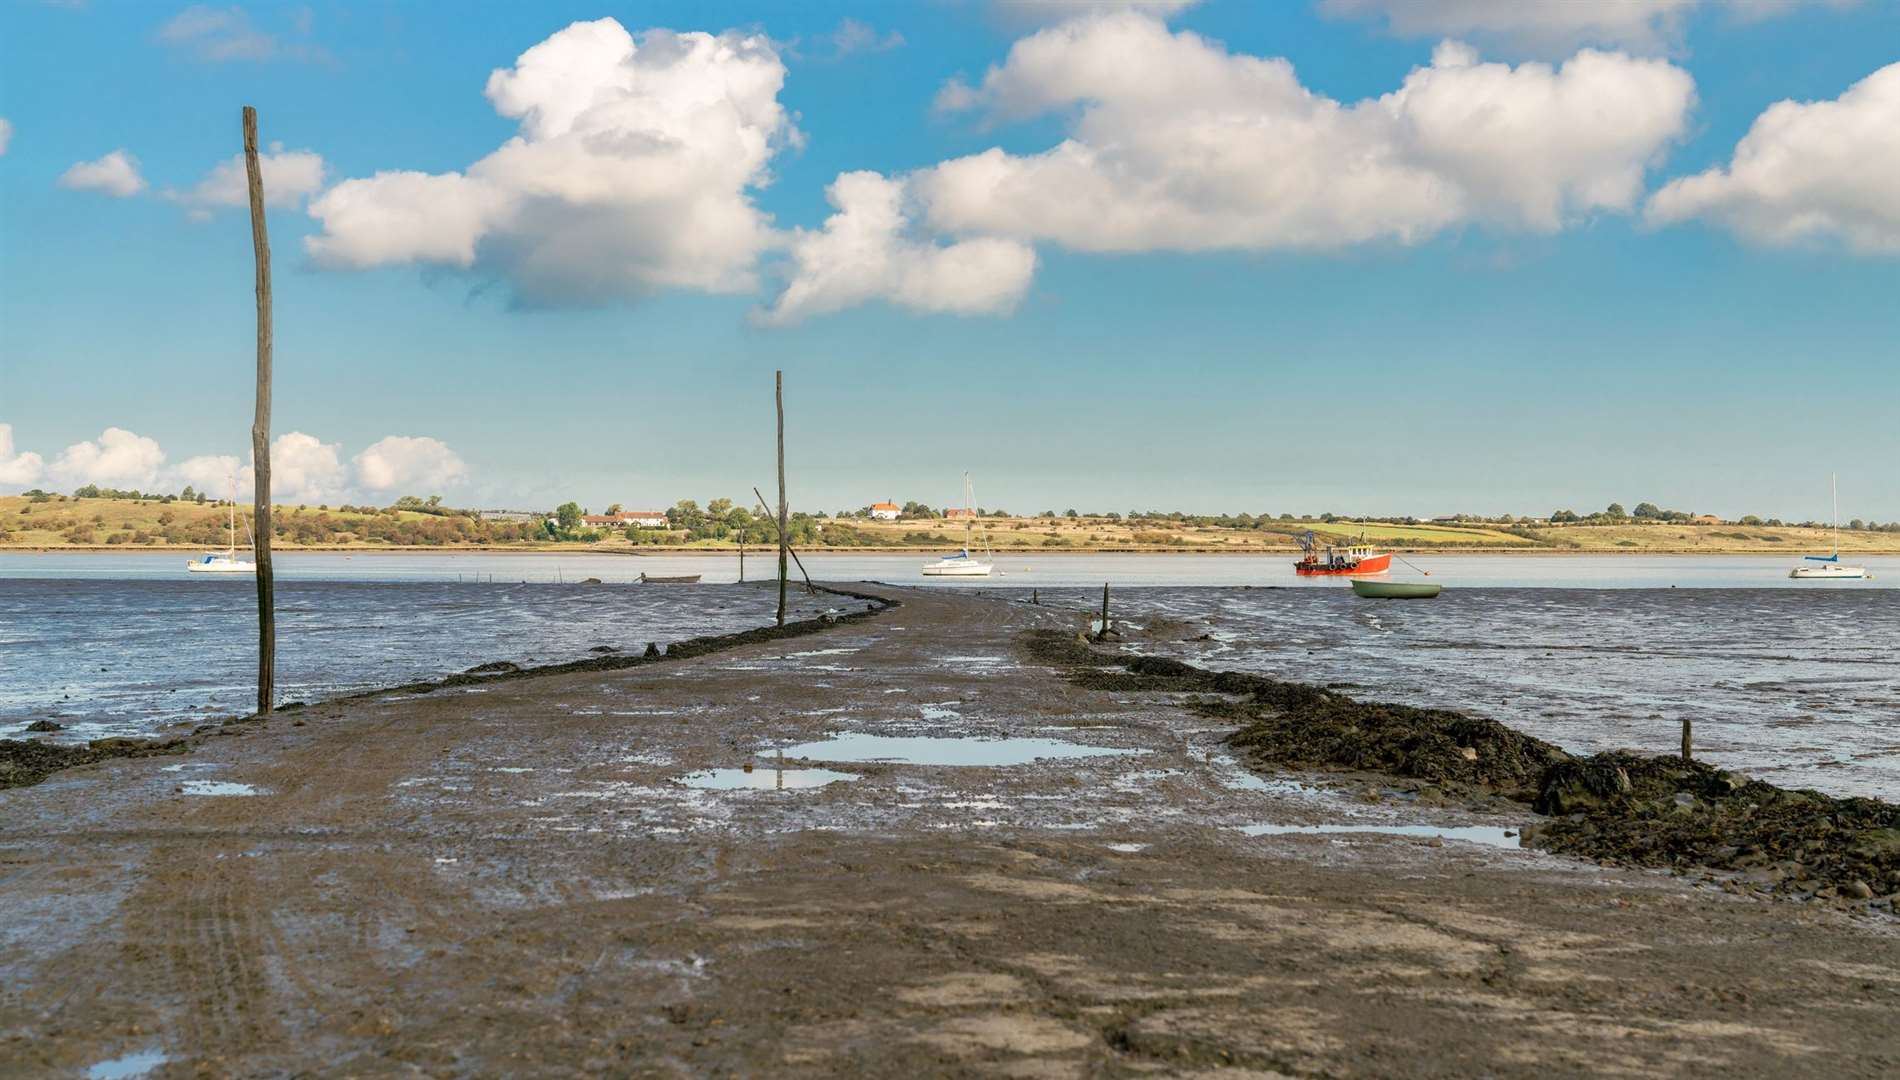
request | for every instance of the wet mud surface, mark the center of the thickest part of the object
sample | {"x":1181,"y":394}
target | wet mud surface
{"x":535,"y":876}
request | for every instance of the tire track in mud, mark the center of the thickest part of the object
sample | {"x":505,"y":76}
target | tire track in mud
{"x":216,"y":954}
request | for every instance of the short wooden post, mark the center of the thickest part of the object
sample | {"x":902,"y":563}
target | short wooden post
{"x":1685,"y":739}
{"x":1103,"y":633}
{"x":260,"y":429}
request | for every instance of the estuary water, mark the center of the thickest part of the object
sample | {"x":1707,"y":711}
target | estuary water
{"x":1795,"y":682}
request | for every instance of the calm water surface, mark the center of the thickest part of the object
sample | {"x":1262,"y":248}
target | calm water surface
{"x":1795,"y":682}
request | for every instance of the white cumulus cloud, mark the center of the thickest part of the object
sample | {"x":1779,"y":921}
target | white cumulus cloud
{"x":414,"y":465}
{"x":866,"y":251}
{"x":18,"y":468}
{"x":304,"y":469}
{"x":218,"y":476}
{"x":631,"y":172}
{"x":289,"y":176}
{"x":1806,"y":172}
{"x":117,"y":459}
{"x":115,"y":174}
{"x":1180,"y":145}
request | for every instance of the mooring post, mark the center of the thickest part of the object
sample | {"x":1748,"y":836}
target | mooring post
{"x":1685,"y":739}
{"x":1104,"y":631}
{"x":784,"y":545}
{"x":260,"y":429}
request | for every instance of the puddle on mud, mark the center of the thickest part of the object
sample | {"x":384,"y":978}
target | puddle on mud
{"x":765,"y":779}
{"x":218,"y":787}
{"x":1488,"y":835}
{"x":1127,"y":849}
{"x":928,"y":750}
{"x":123,"y":1068}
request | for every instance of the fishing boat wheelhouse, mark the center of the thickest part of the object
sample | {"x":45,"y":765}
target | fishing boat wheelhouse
{"x":1327,"y":559}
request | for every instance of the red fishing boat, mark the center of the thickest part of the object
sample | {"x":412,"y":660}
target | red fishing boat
{"x":1318,"y":560}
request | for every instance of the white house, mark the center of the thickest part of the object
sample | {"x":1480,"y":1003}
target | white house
{"x":885,"y":511}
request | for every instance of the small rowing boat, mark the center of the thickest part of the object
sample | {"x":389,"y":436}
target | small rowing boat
{"x":1396,"y":590}
{"x":683,"y":579}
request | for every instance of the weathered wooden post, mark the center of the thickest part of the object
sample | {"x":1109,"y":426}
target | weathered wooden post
{"x":1103,"y":633}
{"x":260,"y":429}
{"x":1685,"y":739}
{"x":784,"y":522}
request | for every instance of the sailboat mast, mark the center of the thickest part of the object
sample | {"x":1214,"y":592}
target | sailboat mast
{"x":1834,"y":489}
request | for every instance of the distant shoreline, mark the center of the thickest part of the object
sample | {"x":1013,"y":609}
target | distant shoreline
{"x":751,"y":552}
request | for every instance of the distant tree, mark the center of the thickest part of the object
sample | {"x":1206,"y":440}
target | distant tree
{"x":719,"y":508}
{"x":1560,"y":517}
{"x":188,"y":494}
{"x":1615,"y":510}
{"x":612,"y":509}
{"x":1647,"y":510}
{"x":1749,"y":519}
{"x":1857,"y":524}
{"x":1112,"y":516}
{"x":1069,"y":513}
{"x":568,"y":516}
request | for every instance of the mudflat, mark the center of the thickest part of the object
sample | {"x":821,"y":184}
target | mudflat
{"x":576,"y":874}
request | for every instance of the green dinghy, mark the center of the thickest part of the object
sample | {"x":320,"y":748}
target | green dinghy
{"x":1395,"y":590}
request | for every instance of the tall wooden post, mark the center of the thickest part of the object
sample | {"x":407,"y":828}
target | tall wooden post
{"x":1103,"y":632}
{"x":260,"y":429}
{"x":1687,"y":745}
{"x":784,"y":521}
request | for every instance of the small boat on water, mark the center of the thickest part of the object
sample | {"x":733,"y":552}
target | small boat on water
{"x":682,"y":579}
{"x":1828,"y":567}
{"x":226,"y":561}
{"x":1317,"y":561}
{"x":963,"y":564}
{"x":1396,"y":590}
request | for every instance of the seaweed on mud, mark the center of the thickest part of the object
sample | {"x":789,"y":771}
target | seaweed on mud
{"x":1302,"y":726}
{"x":1663,"y":811}
{"x":1617,"y":807}
{"x":24,"y":763}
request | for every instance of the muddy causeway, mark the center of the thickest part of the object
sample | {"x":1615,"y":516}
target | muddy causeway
{"x":899,"y":845}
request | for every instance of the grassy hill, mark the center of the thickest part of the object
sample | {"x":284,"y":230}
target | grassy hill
{"x":66,"y":522}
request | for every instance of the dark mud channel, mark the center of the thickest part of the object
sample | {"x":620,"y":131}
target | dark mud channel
{"x":1617,"y":807}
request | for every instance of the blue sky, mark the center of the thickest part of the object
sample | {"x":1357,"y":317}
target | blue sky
{"x":1711,"y":349}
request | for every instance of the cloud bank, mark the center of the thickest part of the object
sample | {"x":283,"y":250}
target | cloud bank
{"x":863,"y":253}
{"x":1819,"y":171}
{"x":116,"y":174}
{"x":1177,"y":144}
{"x":631,"y":172}
{"x":18,"y":469}
{"x":304,"y":468}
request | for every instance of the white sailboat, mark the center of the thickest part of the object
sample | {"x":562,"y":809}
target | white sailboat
{"x":964,"y":564}
{"x":226,"y":561}
{"x":1828,"y":567}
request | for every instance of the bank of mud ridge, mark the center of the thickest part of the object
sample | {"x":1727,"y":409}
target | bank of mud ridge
{"x":1616,"y":807}
{"x":25,"y":762}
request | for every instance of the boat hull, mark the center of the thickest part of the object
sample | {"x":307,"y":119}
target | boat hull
{"x":960,"y":568}
{"x":1828,"y":573}
{"x":1372,"y":564}
{"x":221,"y":567}
{"x":1396,"y":590}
